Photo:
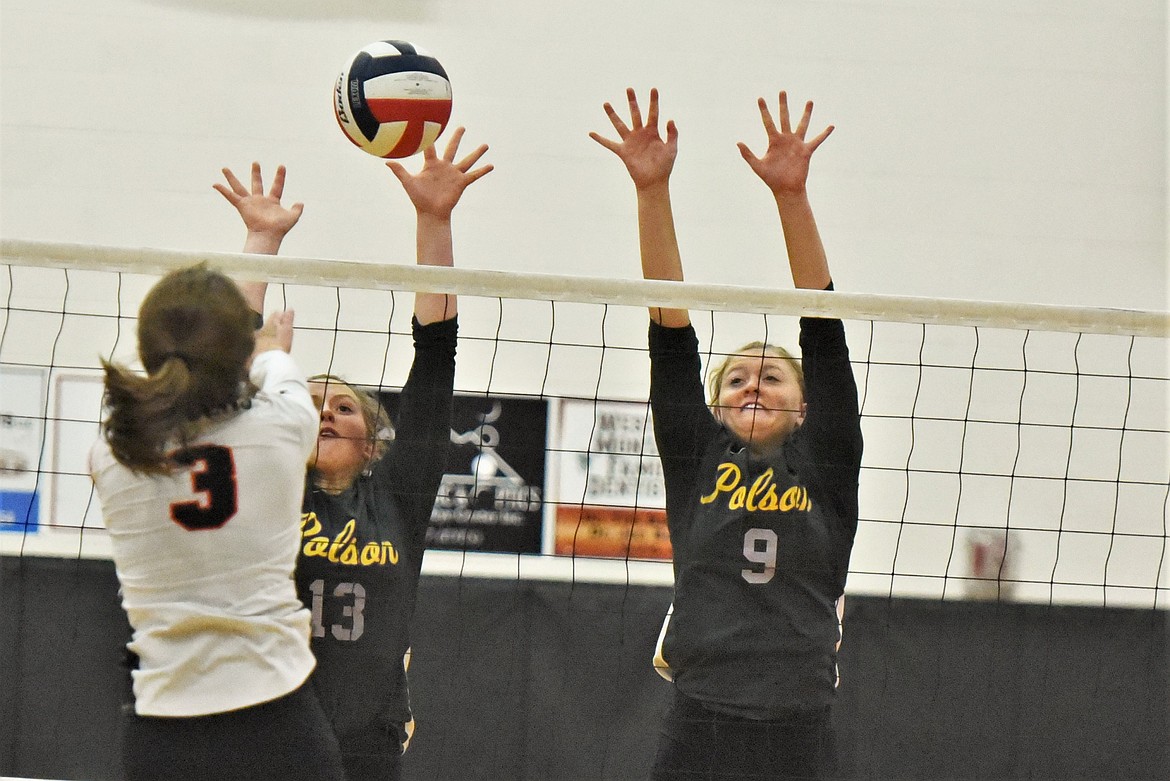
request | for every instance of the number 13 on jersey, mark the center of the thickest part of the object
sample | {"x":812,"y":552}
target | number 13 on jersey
{"x":353,"y":597}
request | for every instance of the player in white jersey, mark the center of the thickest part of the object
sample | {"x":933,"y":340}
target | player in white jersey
{"x":199,"y":474}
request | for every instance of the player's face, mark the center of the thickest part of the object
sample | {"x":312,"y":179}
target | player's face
{"x":343,"y":443}
{"x":760,"y":400}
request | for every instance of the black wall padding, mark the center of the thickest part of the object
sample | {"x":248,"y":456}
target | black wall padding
{"x":527,"y":681}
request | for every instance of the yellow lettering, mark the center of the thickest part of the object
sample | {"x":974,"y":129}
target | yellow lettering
{"x":318,"y":546}
{"x":344,"y":536}
{"x":729,"y":476}
{"x":796,"y":498}
{"x":371,"y":552}
{"x":310,"y":525}
{"x":770,"y":502}
{"x":737,"y":498}
{"x":761,"y":484}
{"x":345,"y":548}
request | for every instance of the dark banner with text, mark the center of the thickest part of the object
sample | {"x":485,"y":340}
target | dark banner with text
{"x":491,"y":498}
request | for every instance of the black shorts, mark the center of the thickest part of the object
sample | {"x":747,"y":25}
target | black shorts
{"x":373,"y":753}
{"x":286,"y":739}
{"x":698,"y":744}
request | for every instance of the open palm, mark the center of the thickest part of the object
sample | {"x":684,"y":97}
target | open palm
{"x":648,"y":157}
{"x":784,"y":165}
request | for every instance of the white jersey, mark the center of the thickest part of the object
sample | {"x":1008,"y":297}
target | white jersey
{"x":205,"y":556}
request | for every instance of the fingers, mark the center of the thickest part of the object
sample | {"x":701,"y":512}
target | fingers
{"x":466,"y":163}
{"x":652,"y":112}
{"x":785,"y":125}
{"x":618,"y":123}
{"x":235,"y":183}
{"x":277,"y":320}
{"x":747,"y":154}
{"x":277,"y":183}
{"x":671,"y":132}
{"x":612,"y":146}
{"x":802,"y":126}
{"x":766,"y":116}
{"x":812,"y":145}
{"x":433,"y":165}
{"x":636,"y":124}
{"x":231,"y":197}
{"x":453,"y":144}
{"x":236,"y":190}
{"x":635,"y":112}
{"x":277,"y":333}
{"x":397,"y":169}
{"x":479,"y":172}
{"x":257,"y":180}
{"x":801,"y":129}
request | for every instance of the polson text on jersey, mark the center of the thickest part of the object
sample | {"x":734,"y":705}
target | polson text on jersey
{"x":345,"y":548}
{"x":760,"y":497}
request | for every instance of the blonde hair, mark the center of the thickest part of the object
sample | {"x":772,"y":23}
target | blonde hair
{"x":716,"y":374}
{"x":379,"y":429}
{"x":195,"y":336}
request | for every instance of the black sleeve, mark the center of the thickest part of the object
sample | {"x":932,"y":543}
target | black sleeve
{"x":681,"y":416}
{"x":417,"y":458}
{"x":832,"y":427}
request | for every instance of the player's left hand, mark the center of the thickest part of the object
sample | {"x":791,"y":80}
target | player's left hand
{"x":262,"y":213}
{"x":276,"y":333}
{"x":784,"y":165}
{"x":436,"y":188}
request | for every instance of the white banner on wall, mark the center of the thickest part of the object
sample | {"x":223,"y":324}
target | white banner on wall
{"x":22,"y":427}
{"x":610,"y":497}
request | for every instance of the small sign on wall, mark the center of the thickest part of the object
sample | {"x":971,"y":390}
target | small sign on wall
{"x":22,"y":441}
{"x":611,"y":500}
{"x":492,"y":497}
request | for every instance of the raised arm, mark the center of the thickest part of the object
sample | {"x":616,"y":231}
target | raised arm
{"x":649,"y":159}
{"x":267,"y":221}
{"x":434,"y":191}
{"x":784,"y":168}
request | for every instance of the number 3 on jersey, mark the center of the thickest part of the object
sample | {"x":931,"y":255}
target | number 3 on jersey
{"x":213,"y":479}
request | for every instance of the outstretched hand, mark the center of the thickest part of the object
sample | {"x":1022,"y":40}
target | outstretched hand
{"x":436,"y":189}
{"x":262,"y":213}
{"x":784,"y":165}
{"x":276,"y":333}
{"x":649,"y":157}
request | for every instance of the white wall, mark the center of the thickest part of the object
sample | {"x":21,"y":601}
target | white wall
{"x":1010,"y":150}
{"x":1004,"y":150}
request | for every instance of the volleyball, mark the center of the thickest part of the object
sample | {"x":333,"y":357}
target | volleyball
{"x":392,"y":99}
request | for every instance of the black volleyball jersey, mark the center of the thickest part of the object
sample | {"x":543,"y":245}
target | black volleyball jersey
{"x":761,"y":545}
{"x":361,"y":552}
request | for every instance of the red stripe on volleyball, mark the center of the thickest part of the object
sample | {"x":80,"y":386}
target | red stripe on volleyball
{"x":415,"y":113}
{"x":410,"y":110}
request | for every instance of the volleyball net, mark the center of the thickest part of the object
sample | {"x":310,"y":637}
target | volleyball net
{"x":1012,"y":452}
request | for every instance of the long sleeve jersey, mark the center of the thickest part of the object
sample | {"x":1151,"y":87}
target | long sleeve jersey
{"x":761,"y":544}
{"x":362,"y":550}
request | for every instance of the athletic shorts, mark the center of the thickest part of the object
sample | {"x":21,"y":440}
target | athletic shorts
{"x":286,"y":739}
{"x":372,"y":754}
{"x":698,"y":744}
